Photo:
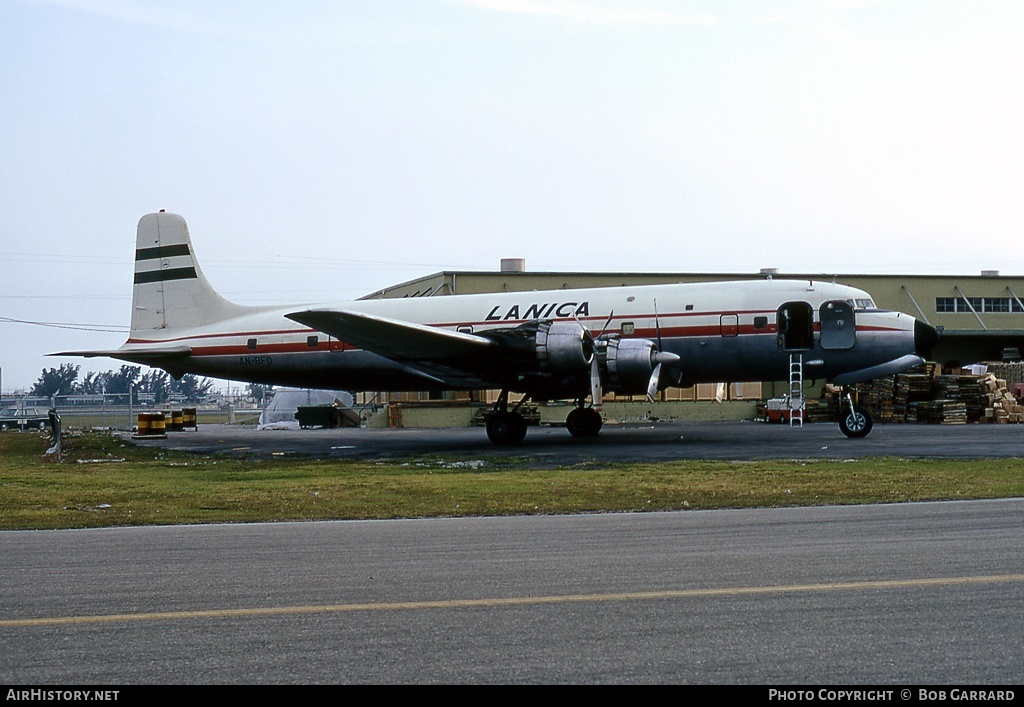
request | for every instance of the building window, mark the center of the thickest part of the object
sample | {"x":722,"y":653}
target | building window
{"x":251,"y":344}
{"x":981,"y":305}
{"x":312,"y":341}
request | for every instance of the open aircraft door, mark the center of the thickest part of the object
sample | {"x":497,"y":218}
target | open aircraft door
{"x":838,"y":325}
{"x":795,"y":326}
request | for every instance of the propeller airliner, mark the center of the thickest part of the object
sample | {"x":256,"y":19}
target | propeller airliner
{"x":570,"y":344}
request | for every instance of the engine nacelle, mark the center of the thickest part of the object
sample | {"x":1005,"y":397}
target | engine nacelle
{"x":629,"y":364}
{"x":563,"y":348}
{"x":546,"y":355}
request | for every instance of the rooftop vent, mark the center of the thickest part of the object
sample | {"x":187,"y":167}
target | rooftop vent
{"x":513,"y":264}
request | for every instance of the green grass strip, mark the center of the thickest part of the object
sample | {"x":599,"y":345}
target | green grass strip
{"x":106,"y":481}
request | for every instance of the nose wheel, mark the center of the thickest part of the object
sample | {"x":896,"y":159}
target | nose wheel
{"x":854,"y":421}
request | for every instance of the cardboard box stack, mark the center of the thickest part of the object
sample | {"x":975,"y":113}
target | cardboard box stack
{"x":1002,"y":407}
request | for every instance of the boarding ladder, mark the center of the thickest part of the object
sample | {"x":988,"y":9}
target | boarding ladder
{"x":796,"y":390}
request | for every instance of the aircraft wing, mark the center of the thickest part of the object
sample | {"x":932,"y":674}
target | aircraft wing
{"x":891,"y":368}
{"x":393,"y":338}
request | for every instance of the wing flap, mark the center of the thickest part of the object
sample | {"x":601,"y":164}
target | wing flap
{"x":393,"y":338}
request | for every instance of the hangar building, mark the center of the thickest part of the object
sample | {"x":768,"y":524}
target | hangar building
{"x":981,"y":317}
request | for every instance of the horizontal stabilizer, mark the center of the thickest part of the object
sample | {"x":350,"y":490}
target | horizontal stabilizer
{"x":890,"y":368}
{"x":392,"y":338}
{"x":146,"y":356}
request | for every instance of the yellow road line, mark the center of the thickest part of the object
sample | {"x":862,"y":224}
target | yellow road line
{"x":511,"y":601}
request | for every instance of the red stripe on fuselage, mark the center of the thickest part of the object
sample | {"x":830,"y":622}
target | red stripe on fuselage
{"x":708,"y":330}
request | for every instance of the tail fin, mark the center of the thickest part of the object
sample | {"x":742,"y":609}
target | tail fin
{"x":170,"y":290}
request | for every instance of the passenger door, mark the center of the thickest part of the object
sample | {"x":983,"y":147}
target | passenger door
{"x":838,"y":325}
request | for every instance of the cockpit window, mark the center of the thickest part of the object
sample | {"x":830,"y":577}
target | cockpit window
{"x":862,"y":303}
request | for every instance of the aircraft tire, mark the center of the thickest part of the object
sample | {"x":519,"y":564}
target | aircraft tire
{"x":584,"y":422}
{"x":856,"y":423}
{"x":506,"y":428}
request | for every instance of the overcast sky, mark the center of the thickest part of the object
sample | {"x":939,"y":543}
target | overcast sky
{"x":321,"y":150}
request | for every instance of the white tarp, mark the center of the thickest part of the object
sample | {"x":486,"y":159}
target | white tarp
{"x":280,"y":413}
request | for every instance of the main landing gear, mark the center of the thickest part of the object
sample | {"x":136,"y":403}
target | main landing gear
{"x":854,"y":421}
{"x":507,"y":427}
{"x":583,"y":421}
{"x":504,"y":426}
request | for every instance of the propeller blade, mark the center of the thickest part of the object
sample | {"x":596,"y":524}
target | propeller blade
{"x":596,"y":392}
{"x":652,"y":386}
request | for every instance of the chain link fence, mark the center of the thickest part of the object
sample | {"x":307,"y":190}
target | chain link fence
{"x":112,"y":411}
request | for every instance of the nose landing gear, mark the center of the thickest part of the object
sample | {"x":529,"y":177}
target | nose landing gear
{"x":854,"y":421}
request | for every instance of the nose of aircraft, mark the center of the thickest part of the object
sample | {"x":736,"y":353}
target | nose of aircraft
{"x":925,"y":337}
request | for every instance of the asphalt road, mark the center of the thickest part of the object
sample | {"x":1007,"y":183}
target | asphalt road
{"x":881,"y":595}
{"x":869,"y":595}
{"x":547,"y":446}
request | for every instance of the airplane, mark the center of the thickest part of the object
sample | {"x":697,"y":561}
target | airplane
{"x":570,"y":344}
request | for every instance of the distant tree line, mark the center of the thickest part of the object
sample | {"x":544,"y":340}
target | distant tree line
{"x":259,"y":392}
{"x":129,"y":379}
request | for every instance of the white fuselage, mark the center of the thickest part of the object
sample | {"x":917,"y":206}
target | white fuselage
{"x":722,"y":332}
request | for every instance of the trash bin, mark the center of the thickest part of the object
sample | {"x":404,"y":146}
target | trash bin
{"x":317,"y":416}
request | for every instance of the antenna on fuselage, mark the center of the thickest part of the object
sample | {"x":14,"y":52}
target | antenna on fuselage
{"x":657,"y":323}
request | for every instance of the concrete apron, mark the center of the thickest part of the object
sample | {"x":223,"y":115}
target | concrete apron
{"x":426,"y":415}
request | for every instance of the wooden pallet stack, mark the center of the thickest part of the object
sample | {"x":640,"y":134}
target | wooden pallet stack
{"x":824,"y":410}
{"x":878,"y":396}
{"x":942,"y":412}
{"x":945,"y":386}
{"x":926,"y":395}
{"x":910,"y":390}
{"x":973,"y":396}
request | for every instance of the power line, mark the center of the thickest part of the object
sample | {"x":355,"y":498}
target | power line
{"x":284,"y":261}
{"x":115,"y":328}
